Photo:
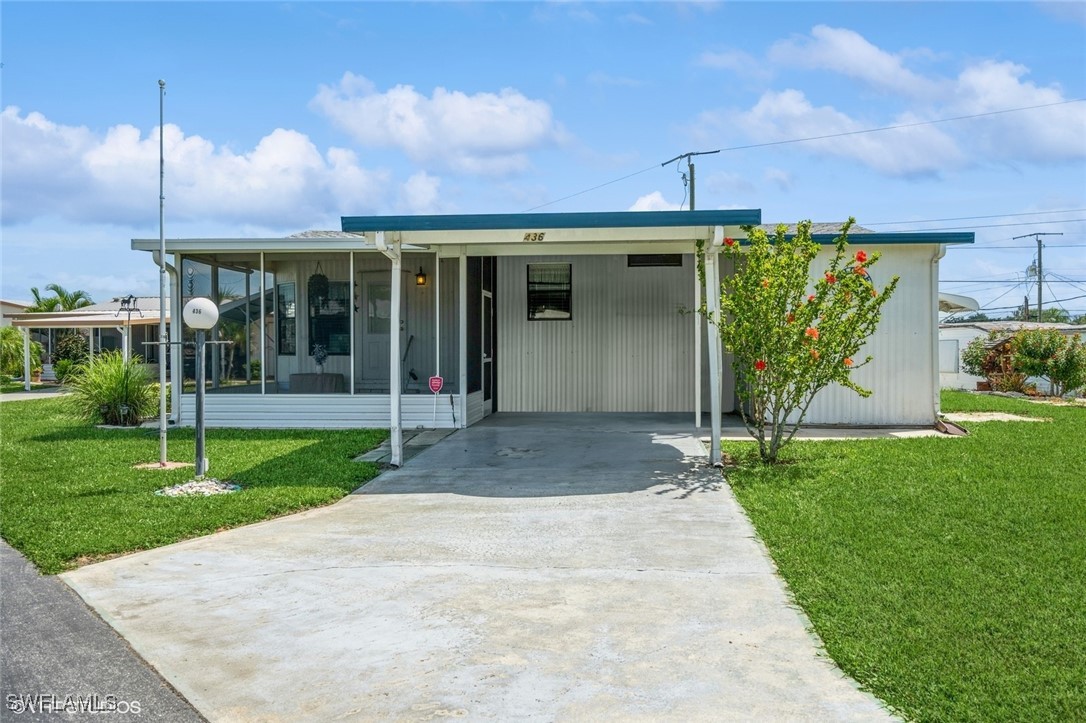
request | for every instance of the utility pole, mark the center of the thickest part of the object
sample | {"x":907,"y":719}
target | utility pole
{"x":690,"y":166}
{"x":1040,"y":266}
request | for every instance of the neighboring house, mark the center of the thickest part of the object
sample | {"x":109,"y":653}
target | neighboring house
{"x":10,"y":308}
{"x":954,"y":337}
{"x":568,"y":312}
{"x":109,"y":325}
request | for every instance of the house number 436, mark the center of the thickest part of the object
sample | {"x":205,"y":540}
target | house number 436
{"x":534,"y":235}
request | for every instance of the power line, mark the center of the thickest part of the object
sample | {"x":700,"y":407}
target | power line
{"x":820,"y":138}
{"x":901,"y":125}
{"x":1004,"y":225}
{"x":970,"y":218}
{"x":975,"y":247}
{"x":1006,"y":281}
{"x":594,"y":188}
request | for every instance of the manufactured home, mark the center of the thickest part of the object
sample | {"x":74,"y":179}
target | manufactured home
{"x":565,"y":312}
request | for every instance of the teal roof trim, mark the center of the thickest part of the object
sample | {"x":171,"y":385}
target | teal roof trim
{"x":899,"y":237}
{"x":502,"y":221}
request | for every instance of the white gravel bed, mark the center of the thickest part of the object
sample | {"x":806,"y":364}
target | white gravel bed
{"x":199,"y":488}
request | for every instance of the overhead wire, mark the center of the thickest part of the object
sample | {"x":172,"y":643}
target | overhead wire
{"x":842,"y":134}
{"x":971,"y":218}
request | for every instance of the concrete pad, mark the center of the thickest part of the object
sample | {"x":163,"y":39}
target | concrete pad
{"x":593,"y":569}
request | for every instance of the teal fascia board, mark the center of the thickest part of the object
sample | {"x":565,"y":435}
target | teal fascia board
{"x":899,"y":237}
{"x":503,"y":221}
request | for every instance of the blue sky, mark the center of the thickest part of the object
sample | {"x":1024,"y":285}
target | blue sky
{"x":282,"y":117}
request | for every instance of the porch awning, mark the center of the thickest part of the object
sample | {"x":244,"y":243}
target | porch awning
{"x":100,"y":320}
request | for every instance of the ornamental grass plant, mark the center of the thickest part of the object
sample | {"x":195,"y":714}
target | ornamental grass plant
{"x":111,"y":390}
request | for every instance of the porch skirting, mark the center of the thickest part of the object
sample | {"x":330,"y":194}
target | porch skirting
{"x":320,"y":411}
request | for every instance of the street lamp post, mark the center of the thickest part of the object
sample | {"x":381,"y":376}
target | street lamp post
{"x":200,"y":314}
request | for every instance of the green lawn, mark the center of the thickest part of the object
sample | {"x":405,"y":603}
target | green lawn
{"x":946,"y":575}
{"x":18,"y":387}
{"x":69,"y":494}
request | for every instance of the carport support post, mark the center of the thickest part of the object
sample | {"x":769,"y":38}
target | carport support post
{"x":395,"y":421}
{"x":712,"y":297}
{"x":394,"y":370}
{"x":697,"y":346}
{"x":463,"y":333}
{"x":26,"y":358}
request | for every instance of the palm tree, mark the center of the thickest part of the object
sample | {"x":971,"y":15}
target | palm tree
{"x":67,"y":301}
{"x":61,"y":300}
{"x":42,"y":305}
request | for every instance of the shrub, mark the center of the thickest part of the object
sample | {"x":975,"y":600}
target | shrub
{"x":787,"y":342}
{"x":1049,"y":354}
{"x":62,"y":369}
{"x":254,"y":370}
{"x":110,"y":390}
{"x":978,"y":359}
{"x":70,"y":345}
{"x":11,"y":352}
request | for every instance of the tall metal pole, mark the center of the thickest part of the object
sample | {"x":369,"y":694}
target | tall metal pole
{"x":163,"y":280}
{"x":201,"y":460}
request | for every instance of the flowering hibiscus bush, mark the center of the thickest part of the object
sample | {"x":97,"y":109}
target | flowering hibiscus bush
{"x":790,"y":337}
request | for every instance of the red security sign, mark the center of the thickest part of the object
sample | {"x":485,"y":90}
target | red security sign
{"x":436,"y":383}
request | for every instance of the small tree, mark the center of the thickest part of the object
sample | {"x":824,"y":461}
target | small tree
{"x":72,"y":346}
{"x":790,"y":340}
{"x":1049,"y":354}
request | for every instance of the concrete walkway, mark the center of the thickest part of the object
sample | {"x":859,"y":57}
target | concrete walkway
{"x":532,"y":567}
{"x":40,"y":393}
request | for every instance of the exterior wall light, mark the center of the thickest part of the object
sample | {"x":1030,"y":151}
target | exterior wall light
{"x":420,"y":278}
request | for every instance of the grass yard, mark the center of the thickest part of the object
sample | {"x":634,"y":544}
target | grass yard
{"x":69,"y":494}
{"x":11,"y":387}
{"x":946,"y":575}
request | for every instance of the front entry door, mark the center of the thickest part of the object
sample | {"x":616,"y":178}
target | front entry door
{"x":488,"y":352}
{"x":376,"y":319}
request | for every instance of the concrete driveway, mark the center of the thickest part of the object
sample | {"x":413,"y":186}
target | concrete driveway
{"x":535,"y":567}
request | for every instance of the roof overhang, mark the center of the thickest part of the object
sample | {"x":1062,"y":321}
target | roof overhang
{"x":954,"y":303}
{"x":69,"y":320}
{"x":289,"y":244}
{"x":902,"y":237}
{"x":526,"y":233}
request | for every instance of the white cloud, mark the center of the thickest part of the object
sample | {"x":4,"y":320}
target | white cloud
{"x":421,"y":194}
{"x":635,"y":19}
{"x":1043,"y":135}
{"x":849,"y":53}
{"x":654,"y":201}
{"x":484,"y":133}
{"x":1054,"y":134}
{"x":737,"y":61}
{"x":902,"y":152}
{"x":780,"y":178}
{"x":1065,"y":10}
{"x":77,"y":175}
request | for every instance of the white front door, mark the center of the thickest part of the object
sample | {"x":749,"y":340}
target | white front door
{"x":487,"y":328}
{"x":376,"y":320}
